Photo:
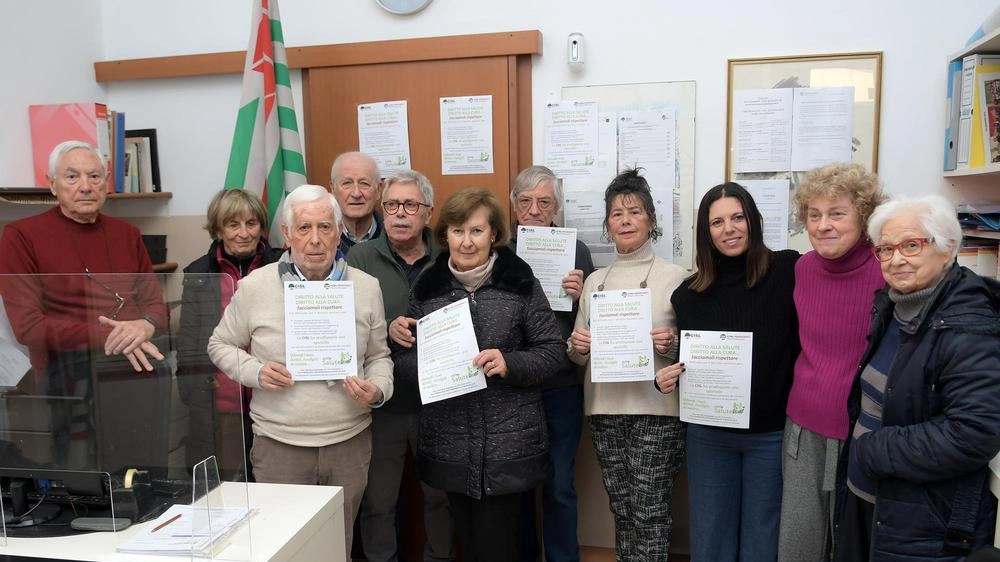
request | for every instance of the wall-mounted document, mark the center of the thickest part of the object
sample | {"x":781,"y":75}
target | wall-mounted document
{"x":791,"y":129}
{"x":384,"y":134}
{"x":583,"y":207}
{"x":551,"y":253}
{"x":822,"y":126}
{"x":762,"y":130}
{"x":446,"y":346}
{"x":621,"y":349}
{"x":771,"y":197}
{"x":467,"y":135}
{"x":321,"y":341}
{"x":715,"y":387}
{"x":571,"y":137}
{"x":648,"y":139}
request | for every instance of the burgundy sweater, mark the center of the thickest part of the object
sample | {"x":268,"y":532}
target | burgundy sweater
{"x":59,"y":312}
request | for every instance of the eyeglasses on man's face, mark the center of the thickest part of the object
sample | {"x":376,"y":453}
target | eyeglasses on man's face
{"x":409,"y":207}
{"x":544,"y":203}
{"x":907,"y":248}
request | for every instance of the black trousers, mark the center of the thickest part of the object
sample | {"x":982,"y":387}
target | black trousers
{"x":487,"y":527}
{"x":852,"y":539}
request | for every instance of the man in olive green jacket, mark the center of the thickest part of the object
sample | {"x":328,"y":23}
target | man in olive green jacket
{"x":397,"y":258}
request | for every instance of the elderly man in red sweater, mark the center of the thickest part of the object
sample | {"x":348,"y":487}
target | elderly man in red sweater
{"x":98,"y":312}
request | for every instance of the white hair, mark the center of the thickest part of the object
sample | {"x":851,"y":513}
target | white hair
{"x":936,"y":215}
{"x":305,"y":194}
{"x":66,"y":146}
{"x":335,"y":167}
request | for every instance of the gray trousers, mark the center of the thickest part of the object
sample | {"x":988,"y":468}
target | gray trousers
{"x":809,"y":472}
{"x":391,"y":433}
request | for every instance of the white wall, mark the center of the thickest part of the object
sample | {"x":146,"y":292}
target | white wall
{"x":627,"y":41}
{"x":49,"y":47}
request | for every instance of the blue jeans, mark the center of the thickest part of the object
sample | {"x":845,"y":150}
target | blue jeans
{"x":734,"y":483}
{"x":564,"y":418}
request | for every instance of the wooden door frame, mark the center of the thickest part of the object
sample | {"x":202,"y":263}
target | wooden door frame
{"x":517,"y":46}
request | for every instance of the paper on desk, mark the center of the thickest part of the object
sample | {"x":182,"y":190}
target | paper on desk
{"x":195,"y":530}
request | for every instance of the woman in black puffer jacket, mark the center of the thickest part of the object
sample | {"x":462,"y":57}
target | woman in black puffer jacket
{"x":486,"y":447}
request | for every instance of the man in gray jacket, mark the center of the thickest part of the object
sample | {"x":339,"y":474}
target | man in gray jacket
{"x":397,"y":258}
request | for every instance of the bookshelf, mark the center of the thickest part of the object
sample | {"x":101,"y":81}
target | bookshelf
{"x":28,"y":196}
{"x":988,"y":170}
{"x":990,"y":43}
{"x":988,"y":234}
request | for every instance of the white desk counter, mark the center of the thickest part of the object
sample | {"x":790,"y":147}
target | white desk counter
{"x":291,"y":524}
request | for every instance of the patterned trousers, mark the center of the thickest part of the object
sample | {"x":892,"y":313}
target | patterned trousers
{"x":639,"y":457}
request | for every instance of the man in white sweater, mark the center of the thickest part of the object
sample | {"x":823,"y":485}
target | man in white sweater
{"x":306,"y":432}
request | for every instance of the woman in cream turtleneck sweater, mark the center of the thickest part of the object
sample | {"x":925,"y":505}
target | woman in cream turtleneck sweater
{"x":637,"y":435}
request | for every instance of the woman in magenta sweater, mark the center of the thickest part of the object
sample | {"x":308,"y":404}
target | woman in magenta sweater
{"x":834,"y":287}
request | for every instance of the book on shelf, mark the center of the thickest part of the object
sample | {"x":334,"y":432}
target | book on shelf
{"x":952,"y":109}
{"x":988,"y":87}
{"x":149,"y":162}
{"x":987,"y":262}
{"x":971,"y":141}
{"x":142,"y":181}
{"x":52,"y":124}
{"x":131,"y":166}
{"x":116,"y":177}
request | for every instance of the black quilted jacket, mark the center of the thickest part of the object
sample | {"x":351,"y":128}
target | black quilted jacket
{"x":492,"y":441}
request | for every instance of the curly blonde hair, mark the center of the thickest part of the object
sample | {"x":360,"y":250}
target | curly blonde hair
{"x":837,"y":180}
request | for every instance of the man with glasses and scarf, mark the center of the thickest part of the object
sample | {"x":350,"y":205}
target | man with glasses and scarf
{"x":397,"y":258}
{"x":97,"y":312}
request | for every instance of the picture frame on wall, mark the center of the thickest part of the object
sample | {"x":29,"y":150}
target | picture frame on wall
{"x":154,"y":160}
{"x":787,"y":115}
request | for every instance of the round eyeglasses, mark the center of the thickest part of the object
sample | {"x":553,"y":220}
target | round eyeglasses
{"x":409,"y":207}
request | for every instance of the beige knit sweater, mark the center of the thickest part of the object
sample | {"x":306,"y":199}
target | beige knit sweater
{"x":309,"y":413}
{"x":628,"y":271}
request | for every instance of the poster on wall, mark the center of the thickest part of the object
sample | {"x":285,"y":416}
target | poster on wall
{"x":771,"y":197}
{"x":583,"y":204}
{"x":571,"y":138}
{"x":762,"y":130}
{"x":383,"y":134}
{"x":648,"y":139}
{"x":467,"y":135}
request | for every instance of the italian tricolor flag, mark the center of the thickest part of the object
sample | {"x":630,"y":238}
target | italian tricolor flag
{"x":267,"y":153}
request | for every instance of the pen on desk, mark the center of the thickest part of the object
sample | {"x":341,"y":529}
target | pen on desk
{"x":165,"y":523}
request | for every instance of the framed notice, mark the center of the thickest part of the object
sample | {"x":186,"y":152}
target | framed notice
{"x":788,"y":115}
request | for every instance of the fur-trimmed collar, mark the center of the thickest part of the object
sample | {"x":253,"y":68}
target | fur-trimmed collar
{"x":510,"y":273}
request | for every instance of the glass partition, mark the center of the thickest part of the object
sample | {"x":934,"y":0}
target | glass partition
{"x":92,"y":438}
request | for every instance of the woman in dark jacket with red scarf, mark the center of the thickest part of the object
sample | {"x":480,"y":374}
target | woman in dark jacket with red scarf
{"x":236,"y":221}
